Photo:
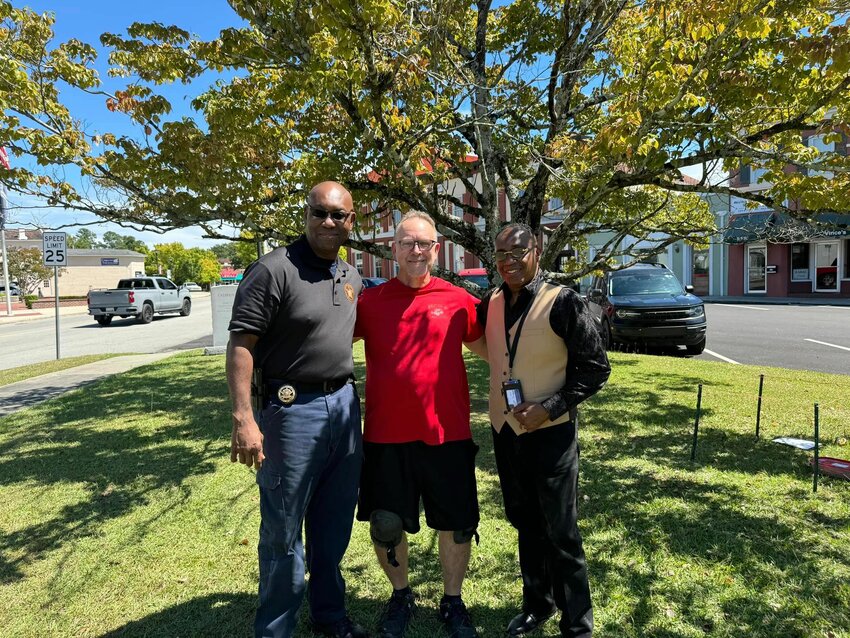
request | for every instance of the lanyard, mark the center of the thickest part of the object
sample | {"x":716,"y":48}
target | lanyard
{"x":512,"y":347}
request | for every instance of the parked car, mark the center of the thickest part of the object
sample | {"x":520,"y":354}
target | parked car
{"x":645,"y":304}
{"x":478,"y":276}
{"x":371,"y":282}
{"x":139,"y":297}
{"x":14,"y":291}
{"x":192,"y":286}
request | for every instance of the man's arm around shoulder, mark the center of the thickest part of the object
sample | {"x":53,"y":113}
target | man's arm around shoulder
{"x":246,"y":440}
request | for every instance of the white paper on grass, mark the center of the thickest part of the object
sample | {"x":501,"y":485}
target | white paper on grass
{"x":800,"y":443}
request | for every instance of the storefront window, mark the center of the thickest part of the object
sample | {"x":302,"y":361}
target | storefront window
{"x":800,"y":262}
{"x":826,"y":266}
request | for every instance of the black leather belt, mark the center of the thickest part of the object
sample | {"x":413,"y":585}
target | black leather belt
{"x":319,"y":387}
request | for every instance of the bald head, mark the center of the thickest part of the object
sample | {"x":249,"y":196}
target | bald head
{"x":330,"y":191}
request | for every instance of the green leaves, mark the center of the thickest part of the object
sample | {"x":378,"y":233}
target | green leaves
{"x":601,"y":104}
{"x":185,"y":264}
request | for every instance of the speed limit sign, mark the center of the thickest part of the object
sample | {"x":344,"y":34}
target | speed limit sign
{"x":53,"y":249}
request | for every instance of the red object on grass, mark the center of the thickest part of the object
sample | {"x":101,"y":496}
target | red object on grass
{"x":833,"y":467}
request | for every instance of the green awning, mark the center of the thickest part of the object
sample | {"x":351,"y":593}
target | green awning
{"x":782,"y":228}
{"x":831,"y":225}
{"x":747,"y":227}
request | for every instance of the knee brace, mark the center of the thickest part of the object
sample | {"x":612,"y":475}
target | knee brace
{"x":386,"y":531}
{"x":463,"y":536}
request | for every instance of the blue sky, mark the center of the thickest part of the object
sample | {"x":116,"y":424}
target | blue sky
{"x":85,"y":20}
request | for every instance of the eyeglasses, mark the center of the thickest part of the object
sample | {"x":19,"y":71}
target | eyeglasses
{"x":424,"y":244}
{"x":516,"y":253}
{"x":336,"y":215}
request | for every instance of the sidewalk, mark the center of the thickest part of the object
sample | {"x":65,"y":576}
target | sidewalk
{"x":25,"y":394}
{"x":25,"y":314}
{"x":754,"y":300}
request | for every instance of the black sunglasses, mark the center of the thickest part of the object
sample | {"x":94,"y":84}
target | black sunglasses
{"x":336,"y":215}
{"x":516,"y":253}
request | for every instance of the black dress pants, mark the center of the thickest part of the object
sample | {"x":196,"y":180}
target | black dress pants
{"x":538,"y":472}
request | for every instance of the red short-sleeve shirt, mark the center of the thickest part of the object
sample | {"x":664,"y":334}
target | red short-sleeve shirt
{"x":416,"y":387}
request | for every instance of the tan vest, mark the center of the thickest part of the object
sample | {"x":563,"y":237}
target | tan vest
{"x":541,"y":356}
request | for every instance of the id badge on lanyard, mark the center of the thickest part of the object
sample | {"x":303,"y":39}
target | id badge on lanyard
{"x":512,"y":391}
{"x":512,"y":388}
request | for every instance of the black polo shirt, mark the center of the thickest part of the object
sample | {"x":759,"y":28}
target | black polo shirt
{"x":302,"y":308}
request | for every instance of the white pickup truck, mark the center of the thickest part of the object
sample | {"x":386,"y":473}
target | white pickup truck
{"x":139,"y":297}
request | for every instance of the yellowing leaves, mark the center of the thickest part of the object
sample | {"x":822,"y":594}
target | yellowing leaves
{"x":647,"y":145}
{"x":754,"y":27}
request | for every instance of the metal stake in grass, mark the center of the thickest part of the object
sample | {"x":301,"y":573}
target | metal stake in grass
{"x":817,"y":450}
{"x":696,"y":423}
{"x":758,"y":409}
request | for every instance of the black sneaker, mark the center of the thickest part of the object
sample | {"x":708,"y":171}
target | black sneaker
{"x":342,"y":628}
{"x":396,"y":615}
{"x":456,"y":619}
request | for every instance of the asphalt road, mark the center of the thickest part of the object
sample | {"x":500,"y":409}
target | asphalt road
{"x":799,"y":337}
{"x":34,"y":341}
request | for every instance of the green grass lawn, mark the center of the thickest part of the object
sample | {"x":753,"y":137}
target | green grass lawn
{"x":21,"y":373}
{"x":123,"y":520}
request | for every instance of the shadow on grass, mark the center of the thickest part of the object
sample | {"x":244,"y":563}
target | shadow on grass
{"x":65,"y":442}
{"x":661,"y":430}
{"x":232,"y":615}
{"x":719,"y":526}
{"x":695,"y":519}
{"x":211,"y":616}
{"x":692,"y":520}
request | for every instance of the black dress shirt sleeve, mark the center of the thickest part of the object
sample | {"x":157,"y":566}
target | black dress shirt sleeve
{"x":481,"y":310}
{"x":587,"y":366}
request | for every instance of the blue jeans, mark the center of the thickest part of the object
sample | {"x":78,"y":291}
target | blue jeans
{"x":313,"y":450}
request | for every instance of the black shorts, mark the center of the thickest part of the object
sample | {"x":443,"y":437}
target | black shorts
{"x":396,"y":475}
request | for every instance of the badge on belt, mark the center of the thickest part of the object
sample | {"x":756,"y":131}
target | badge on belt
{"x":286,"y":394}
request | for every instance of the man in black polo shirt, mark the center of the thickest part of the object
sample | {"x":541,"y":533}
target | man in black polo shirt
{"x":293,"y":320}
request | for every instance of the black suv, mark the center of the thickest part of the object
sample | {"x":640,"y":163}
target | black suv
{"x":646,"y":304}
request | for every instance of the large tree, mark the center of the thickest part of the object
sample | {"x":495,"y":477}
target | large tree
{"x":185,"y":264}
{"x":84,"y":239}
{"x":111,"y":239}
{"x":599,"y":103}
{"x":27,"y":268}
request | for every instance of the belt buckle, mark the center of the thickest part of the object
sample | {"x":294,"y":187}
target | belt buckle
{"x":286,"y":394}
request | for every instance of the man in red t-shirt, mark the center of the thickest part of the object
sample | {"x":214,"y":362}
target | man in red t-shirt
{"x":417,"y":441}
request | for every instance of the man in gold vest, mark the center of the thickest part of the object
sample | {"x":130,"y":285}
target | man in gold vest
{"x":545,"y":358}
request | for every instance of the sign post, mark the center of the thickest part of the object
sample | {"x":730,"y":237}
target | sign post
{"x":6,"y":282}
{"x":4,"y":162}
{"x":54,"y":253}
